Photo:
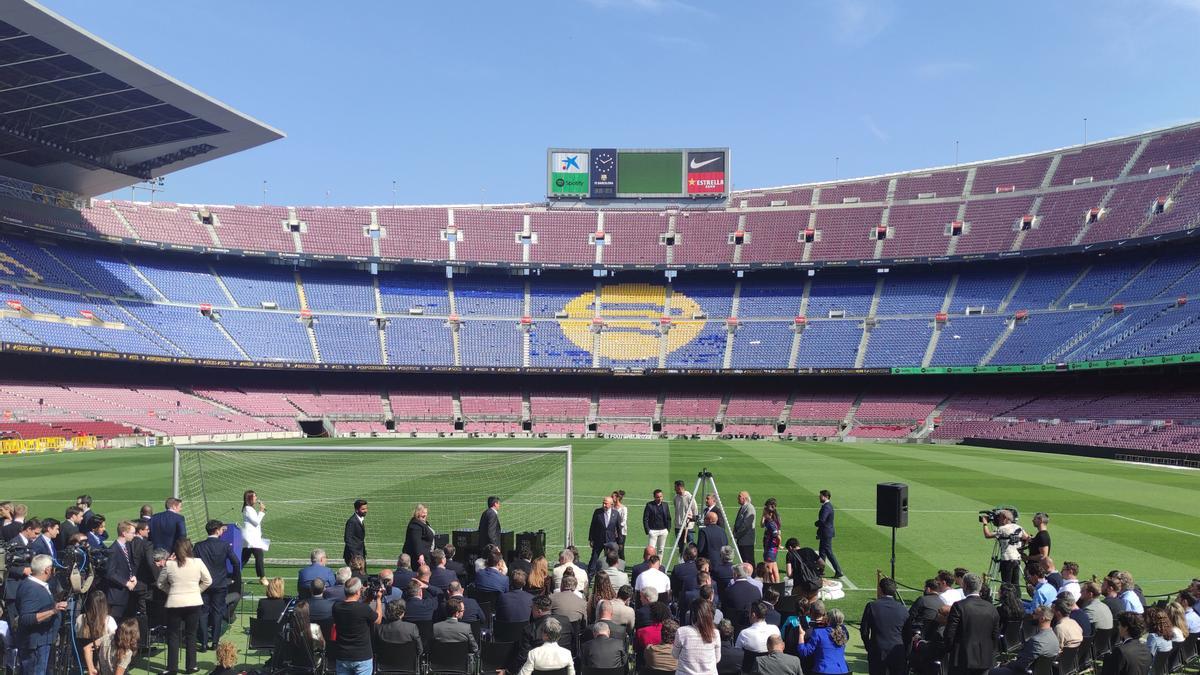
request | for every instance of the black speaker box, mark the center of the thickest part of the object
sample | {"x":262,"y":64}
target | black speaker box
{"x":465,"y":543}
{"x":891,"y":504}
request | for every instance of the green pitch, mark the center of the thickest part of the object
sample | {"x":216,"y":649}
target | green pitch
{"x":1104,"y":515}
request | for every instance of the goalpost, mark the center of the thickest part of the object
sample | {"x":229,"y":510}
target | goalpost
{"x":309,"y":491}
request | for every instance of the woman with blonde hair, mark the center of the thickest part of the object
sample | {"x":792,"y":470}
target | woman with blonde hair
{"x":272,"y":607}
{"x":253,"y":512}
{"x":418,"y":541}
{"x":1178,"y":616}
{"x":772,"y":530}
{"x":540,"y":579}
{"x":227,"y":658}
{"x":183,"y":579}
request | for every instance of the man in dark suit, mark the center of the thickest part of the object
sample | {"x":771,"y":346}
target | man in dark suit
{"x":523,"y":560}
{"x":354,"y":538}
{"x":44,"y":544}
{"x":454,"y":565}
{"x":710,"y":506}
{"x":972,"y":630}
{"x":119,"y":577}
{"x":84,"y":502}
{"x":825,"y":533}
{"x":320,"y":608}
{"x":439,"y":576}
{"x":603,"y":651}
{"x":27,"y":532}
{"x":167,"y":526}
{"x":683,"y":577}
{"x":1129,"y":655}
{"x":772,"y":617}
{"x":40,"y":617}
{"x":712,"y":538}
{"x":737,"y":598}
{"x":642,"y":566}
{"x":515,"y":605}
{"x":472,"y":612}
{"x":731,"y":654}
{"x":146,"y":573}
{"x":454,"y":629}
{"x":421,"y":606}
{"x":218,"y":557}
{"x":489,"y":524}
{"x":882,"y":631}
{"x":605,"y":528}
{"x":69,"y":526}
{"x":923,"y":610}
{"x":490,"y":578}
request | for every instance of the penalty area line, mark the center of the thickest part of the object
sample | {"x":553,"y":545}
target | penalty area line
{"x":1164,"y":527}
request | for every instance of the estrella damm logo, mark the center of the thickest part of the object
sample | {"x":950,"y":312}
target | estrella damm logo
{"x":631,"y":313}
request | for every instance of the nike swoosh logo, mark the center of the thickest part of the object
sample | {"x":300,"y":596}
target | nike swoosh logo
{"x":697,"y":165}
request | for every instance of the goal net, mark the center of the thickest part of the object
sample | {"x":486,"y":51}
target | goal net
{"x":309,"y":491}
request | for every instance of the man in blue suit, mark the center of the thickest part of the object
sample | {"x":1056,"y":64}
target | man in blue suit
{"x":825,"y":533}
{"x":168,"y":527}
{"x":119,"y":574}
{"x":40,"y":617}
{"x":45,"y":544}
{"x":316,"y":570}
{"x":217,"y":555}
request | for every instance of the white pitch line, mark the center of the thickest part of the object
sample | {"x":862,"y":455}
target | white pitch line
{"x":849,"y":584}
{"x":1190,"y":534}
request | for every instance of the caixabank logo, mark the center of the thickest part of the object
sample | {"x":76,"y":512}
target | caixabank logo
{"x":631,"y":314}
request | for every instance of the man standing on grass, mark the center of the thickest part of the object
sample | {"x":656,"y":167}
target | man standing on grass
{"x":825,"y":533}
{"x":743,"y":527}
{"x":489,"y":525}
{"x":354,"y":539}
{"x":166,"y":526}
{"x":685,"y":514}
{"x":656,"y":521}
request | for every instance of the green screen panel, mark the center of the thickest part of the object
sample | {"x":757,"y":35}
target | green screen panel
{"x":649,"y":173}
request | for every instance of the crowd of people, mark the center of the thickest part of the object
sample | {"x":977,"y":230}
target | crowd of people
{"x":717,"y":611}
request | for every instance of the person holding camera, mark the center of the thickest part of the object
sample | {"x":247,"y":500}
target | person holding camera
{"x":355,"y":621}
{"x":1010,"y":536}
{"x":41,"y":616}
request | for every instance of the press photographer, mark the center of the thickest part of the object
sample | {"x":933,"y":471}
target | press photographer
{"x":1009,"y":538}
{"x":41,"y":616}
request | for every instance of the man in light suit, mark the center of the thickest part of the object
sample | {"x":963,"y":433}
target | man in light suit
{"x":825,"y":533}
{"x":354,"y":539}
{"x":453,"y":629}
{"x":776,"y":662}
{"x":167,"y":526}
{"x":489,"y":524}
{"x":605,"y":528}
{"x":218,"y":557}
{"x":712,"y":538}
{"x":743,"y":527}
{"x":119,"y":575}
{"x":972,"y":630}
{"x":40,"y":617}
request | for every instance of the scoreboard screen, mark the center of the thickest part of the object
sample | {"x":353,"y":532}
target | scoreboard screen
{"x":606,"y":173}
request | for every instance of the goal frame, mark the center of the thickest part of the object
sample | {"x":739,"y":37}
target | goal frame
{"x":567,"y":450}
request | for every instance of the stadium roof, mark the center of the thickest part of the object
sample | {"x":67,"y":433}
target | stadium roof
{"x":78,"y":114}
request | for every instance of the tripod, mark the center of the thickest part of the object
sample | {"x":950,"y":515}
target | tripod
{"x":704,"y":480}
{"x":993,"y":570}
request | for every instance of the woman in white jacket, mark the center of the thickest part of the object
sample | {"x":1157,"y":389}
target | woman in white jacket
{"x":253,"y":512}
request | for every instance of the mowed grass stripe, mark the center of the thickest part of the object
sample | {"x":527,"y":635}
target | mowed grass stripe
{"x":1098,"y":542}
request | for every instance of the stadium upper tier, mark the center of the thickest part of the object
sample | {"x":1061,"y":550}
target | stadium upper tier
{"x":1062,"y":310}
{"x":1117,"y":192}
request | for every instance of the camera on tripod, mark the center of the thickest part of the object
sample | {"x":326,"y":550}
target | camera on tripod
{"x":373,"y":589}
{"x":993,"y":515}
{"x":17,"y":555}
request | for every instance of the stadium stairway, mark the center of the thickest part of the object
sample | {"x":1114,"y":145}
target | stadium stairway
{"x":1009,"y":327}
{"x":1079,"y":337}
{"x":1033,"y":209}
{"x":848,"y":420}
{"x":1067,"y":292}
{"x":228,"y":336}
{"x":1087,"y":222}
{"x":222,"y":286}
{"x":125,"y":223}
{"x":936,"y":335}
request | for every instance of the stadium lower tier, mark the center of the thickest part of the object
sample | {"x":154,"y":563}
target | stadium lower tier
{"x":1065,"y":310}
{"x":1146,"y":420}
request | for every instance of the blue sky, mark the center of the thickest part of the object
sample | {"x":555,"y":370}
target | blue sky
{"x":458,"y":101}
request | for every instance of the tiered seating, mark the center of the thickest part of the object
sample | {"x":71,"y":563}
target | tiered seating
{"x":1172,"y":149}
{"x":253,"y":228}
{"x":683,"y":406}
{"x":809,"y":407}
{"x":558,"y":406}
{"x":1100,"y":162}
{"x":1129,"y":206}
{"x":898,"y":342}
{"x":703,"y":237}
{"x":413,"y":233}
{"x":335,"y":230}
{"x":338,"y":402}
{"x":863,"y":192}
{"x":563,"y":237}
{"x":752,"y":406}
{"x":829,"y":343}
{"x":846,"y":234}
{"x":896,"y":407}
{"x":938,"y":184}
{"x":881,"y":431}
{"x":488,"y":235}
{"x":490,"y":343}
{"x":489,"y":295}
{"x":775,"y":237}
{"x":1061,"y":217}
{"x":269,"y":336}
{"x":487,"y":405}
{"x":620,"y":406}
{"x":1023,"y":174}
{"x":761,"y":430}
{"x":359,"y":427}
{"x":634,"y":238}
{"x":991,"y":224}
{"x":919,"y":229}
{"x":163,"y":222}
{"x":764,"y":345}
{"x":338,"y":291}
